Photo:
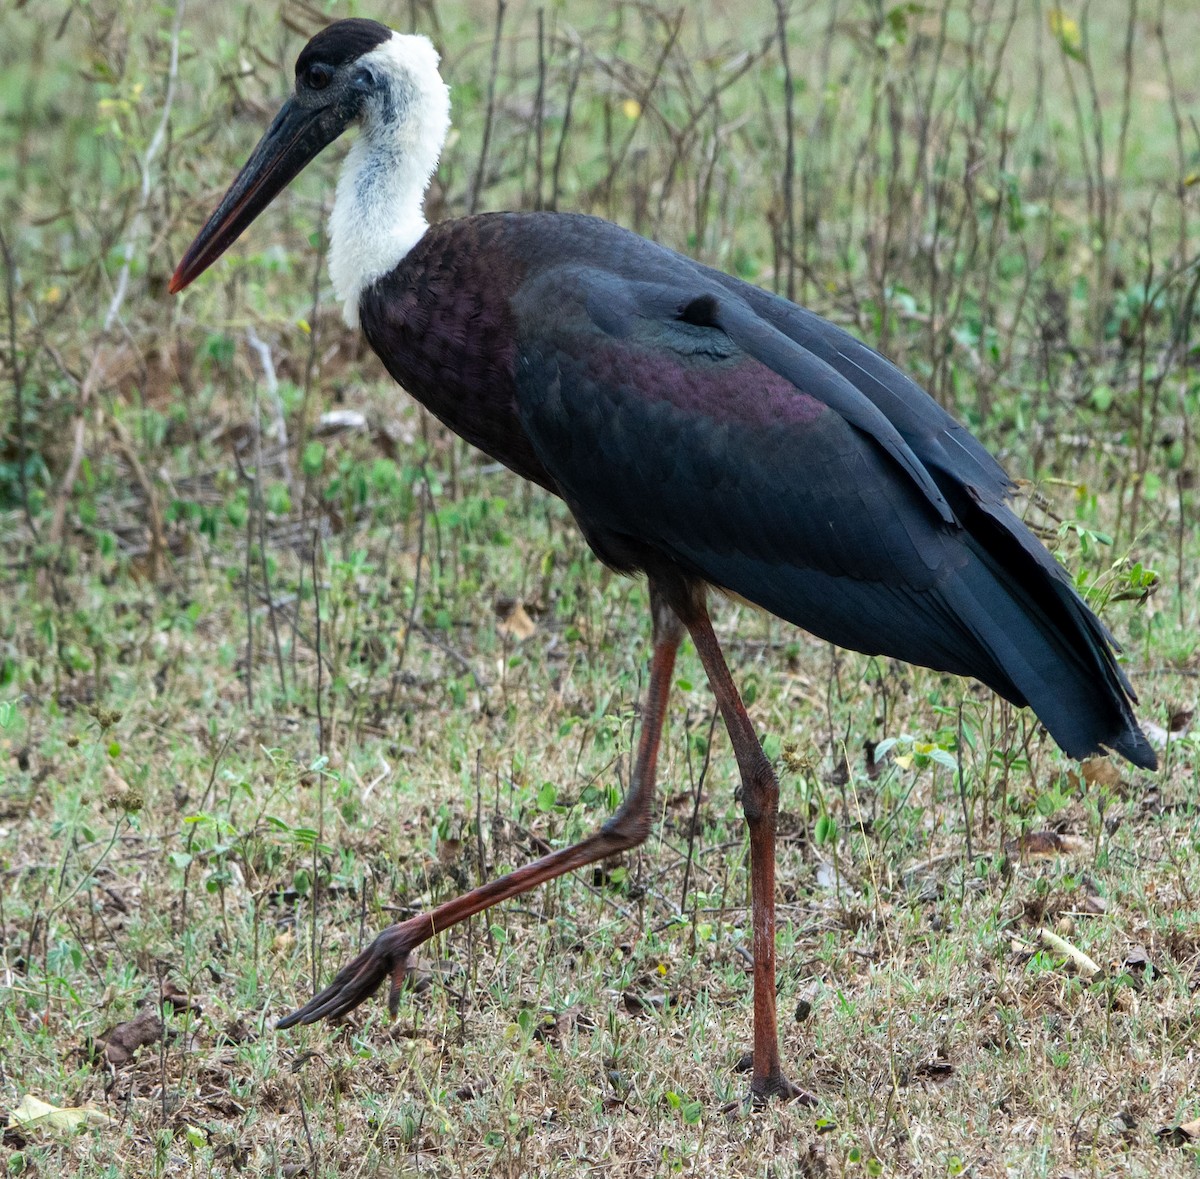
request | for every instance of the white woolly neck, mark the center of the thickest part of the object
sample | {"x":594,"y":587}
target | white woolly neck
{"x":378,"y":213}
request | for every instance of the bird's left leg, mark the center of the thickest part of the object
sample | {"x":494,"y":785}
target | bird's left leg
{"x":389,"y":953}
{"x":760,"y":803}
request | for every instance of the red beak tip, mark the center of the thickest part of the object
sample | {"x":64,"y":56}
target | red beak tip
{"x":176,"y":284}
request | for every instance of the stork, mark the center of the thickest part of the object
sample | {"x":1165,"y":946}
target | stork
{"x":703,"y":432}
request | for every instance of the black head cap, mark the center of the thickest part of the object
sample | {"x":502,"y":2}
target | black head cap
{"x":341,"y":43}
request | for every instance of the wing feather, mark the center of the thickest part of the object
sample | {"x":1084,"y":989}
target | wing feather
{"x":686,"y":415}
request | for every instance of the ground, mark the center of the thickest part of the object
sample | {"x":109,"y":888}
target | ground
{"x":281,"y":661}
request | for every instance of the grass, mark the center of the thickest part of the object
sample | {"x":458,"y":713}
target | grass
{"x":206,"y":793}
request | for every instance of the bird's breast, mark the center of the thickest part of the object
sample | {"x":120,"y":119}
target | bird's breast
{"x":441,"y":323}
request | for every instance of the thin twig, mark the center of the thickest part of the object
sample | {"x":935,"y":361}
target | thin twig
{"x":279,"y":426}
{"x":98,"y":369}
{"x":539,"y":111}
{"x":789,"y":163}
{"x":317,"y":613}
{"x":18,"y":373}
{"x":697,"y":794}
{"x":477,"y":187}
{"x":262,"y":525}
{"x":158,"y":539}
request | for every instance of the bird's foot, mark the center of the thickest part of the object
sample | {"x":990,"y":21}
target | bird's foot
{"x":764,"y":1086}
{"x":771,"y":1083}
{"x":762,"y":1089}
{"x":389,"y":954}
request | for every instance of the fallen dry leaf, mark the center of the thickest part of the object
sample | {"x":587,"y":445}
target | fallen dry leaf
{"x":1179,"y":721}
{"x":1035,"y":844}
{"x":936,"y":1069}
{"x":237,"y":1031}
{"x":176,"y":999}
{"x":516,"y":623}
{"x":1155,"y":734}
{"x":641,"y":1004}
{"x":334,"y":421}
{"x":1059,"y":945}
{"x":1099,"y":771}
{"x":1137,"y":962}
{"x":1181,"y":1135}
{"x":121,"y":1043}
{"x":32,"y":1112}
{"x":449,"y":851}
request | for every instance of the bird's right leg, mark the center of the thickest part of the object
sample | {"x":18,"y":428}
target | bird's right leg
{"x":760,"y":803}
{"x":389,"y":953}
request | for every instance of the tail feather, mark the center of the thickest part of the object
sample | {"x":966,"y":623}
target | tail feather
{"x":1046,"y":647}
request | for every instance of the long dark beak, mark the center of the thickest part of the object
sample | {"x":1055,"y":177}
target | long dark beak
{"x":293,"y":139}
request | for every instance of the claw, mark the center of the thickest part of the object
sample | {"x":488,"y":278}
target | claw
{"x":389,"y":953}
{"x":401,"y":972}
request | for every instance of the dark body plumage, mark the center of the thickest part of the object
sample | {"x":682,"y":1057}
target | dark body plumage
{"x":701,"y":428}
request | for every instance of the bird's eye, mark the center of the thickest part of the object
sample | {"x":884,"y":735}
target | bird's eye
{"x":318,"y":76}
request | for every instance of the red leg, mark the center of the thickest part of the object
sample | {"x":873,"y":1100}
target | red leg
{"x":760,"y":802}
{"x":389,"y":953}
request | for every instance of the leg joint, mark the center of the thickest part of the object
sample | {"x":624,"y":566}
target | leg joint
{"x":760,"y":793}
{"x":627,"y":828}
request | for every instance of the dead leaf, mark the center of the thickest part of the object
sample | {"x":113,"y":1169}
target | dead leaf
{"x":449,"y":852}
{"x":515,"y":622}
{"x":1100,"y":771}
{"x":32,"y":1113}
{"x":1155,"y":734}
{"x":1181,"y":1135}
{"x":684,"y":798}
{"x":875,"y":767}
{"x":1179,"y":721}
{"x":553,"y":1024}
{"x":641,"y":1004}
{"x":122,"y":1042}
{"x":1036,"y":844}
{"x":237,"y":1031}
{"x":938,"y":1068}
{"x":1084,"y":965}
{"x":171,"y":996}
{"x":334,"y":421}
{"x":1137,"y":962}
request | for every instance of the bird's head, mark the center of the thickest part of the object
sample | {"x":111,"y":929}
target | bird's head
{"x":352,"y":71}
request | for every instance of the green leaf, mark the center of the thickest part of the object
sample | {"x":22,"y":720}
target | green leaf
{"x":825,"y":830}
{"x":279,"y":500}
{"x":1066,"y":32}
{"x":312,"y":460}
